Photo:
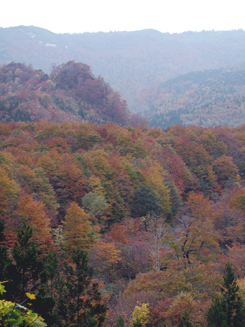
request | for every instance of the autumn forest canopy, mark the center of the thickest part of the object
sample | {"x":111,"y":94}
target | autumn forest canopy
{"x":69,"y":93}
{"x":159,"y":213}
{"x":113,"y":218}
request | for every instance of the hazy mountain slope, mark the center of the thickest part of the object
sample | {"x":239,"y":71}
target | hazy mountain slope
{"x":134,"y":63}
{"x":70,"y":93}
{"x":207,"y":99}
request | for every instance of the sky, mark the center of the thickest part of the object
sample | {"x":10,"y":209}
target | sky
{"x":173,"y":16}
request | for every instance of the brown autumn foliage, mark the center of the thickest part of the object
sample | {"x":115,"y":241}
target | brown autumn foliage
{"x":189,"y":193}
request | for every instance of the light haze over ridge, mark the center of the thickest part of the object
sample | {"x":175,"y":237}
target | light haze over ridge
{"x":174,"y":16}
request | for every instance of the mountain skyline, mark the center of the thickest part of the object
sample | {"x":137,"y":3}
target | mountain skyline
{"x":133,"y":63}
{"x":174,"y":16}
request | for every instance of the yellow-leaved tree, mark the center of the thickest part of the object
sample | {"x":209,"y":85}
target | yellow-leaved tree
{"x":140,"y":315}
{"x":14,"y":314}
{"x":105,"y":257}
{"x":77,"y":230}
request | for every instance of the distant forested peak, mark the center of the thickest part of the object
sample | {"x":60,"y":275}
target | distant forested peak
{"x":203,"y":98}
{"x":70,"y":93}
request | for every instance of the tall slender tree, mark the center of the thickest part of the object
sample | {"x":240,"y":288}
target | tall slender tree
{"x":5,"y":261}
{"x":81,"y":303}
{"x":120,"y":321}
{"x":48,"y":291}
{"x":185,"y":320}
{"x":227,"y":310}
{"x":77,"y":230}
{"x":26,"y":272}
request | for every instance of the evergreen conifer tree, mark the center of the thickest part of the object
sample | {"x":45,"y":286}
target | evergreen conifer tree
{"x":137,"y":323}
{"x":5,"y":261}
{"x":120,"y":321}
{"x":24,"y":275}
{"x":48,"y":293}
{"x":145,"y":201}
{"x":80,"y":304}
{"x":185,"y":320}
{"x":228,"y":309}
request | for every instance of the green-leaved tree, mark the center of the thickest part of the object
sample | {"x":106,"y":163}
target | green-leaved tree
{"x":227,"y":310}
{"x":185,"y":320}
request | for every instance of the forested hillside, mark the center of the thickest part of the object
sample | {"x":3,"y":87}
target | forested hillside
{"x":159,"y":213}
{"x":134,"y":63}
{"x":210,"y":98}
{"x":70,"y":93}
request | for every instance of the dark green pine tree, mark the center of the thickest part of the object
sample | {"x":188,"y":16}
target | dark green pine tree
{"x":145,"y":201}
{"x":137,"y":323}
{"x":120,"y":321}
{"x":5,"y":262}
{"x":227,"y":310}
{"x":185,"y":320}
{"x":24,"y":276}
{"x":80,"y":303}
{"x":48,"y":294}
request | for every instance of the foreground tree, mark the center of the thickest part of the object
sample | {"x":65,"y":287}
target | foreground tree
{"x":228,"y":309}
{"x":4,"y":259}
{"x":25,"y":271}
{"x":13,"y":314}
{"x":185,"y":320}
{"x":120,"y":322}
{"x":49,"y":290}
{"x":81,"y":302}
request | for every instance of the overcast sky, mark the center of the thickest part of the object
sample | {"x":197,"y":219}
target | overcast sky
{"x":127,"y":15}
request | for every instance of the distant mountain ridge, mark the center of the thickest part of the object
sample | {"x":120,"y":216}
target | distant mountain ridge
{"x":208,"y":99}
{"x":134,"y":63}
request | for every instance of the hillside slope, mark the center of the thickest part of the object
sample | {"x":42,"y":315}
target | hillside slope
{"x":70,"y":93}
{"x":210,"y":98}
{"x":132,"y":62}
{"x":159,"y":213}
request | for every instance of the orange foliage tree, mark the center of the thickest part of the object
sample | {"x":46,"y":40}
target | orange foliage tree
{"x":194,"y":239}
{"x":105,"y":257}
{"x":226,"y":170}
{"x":33,"y":212}
{"x":77,"y":230}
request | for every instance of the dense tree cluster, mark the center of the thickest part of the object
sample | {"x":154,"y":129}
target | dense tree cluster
{"x":157,"y":214}
{"x":71,"y":93}
{"x":65,"y":296}
{"x":208,"y":99}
